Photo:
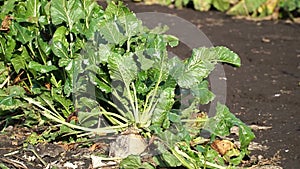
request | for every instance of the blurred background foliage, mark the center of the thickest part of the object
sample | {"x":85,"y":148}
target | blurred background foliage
{"x":264,"y":9}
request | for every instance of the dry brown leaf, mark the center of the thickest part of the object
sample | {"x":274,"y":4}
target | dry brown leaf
{"x":6,"y":23}
{"x":222,"y":146}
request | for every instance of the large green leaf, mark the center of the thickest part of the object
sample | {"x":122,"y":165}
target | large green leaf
{"x":41,"y":68}
{"x":130,"y":23}
{"x":59,"y":49}
{"x":60,"y":36}
{"x":23,"y":34}
{"x":32,"y":10}
{"x":111,"y":32}
{"x":167,"y":159}
{"x":200,"y":64}
{"x":145,"y":63}
{"x":123,"y":68}
{"x":69,"y":11}
{"x":102,"y":85}
{"x":93,"y":16}
{"x":8,"y":98}
{"x":221,"y":5}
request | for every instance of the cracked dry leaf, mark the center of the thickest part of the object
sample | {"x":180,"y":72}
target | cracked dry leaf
{"x":222,"y":146}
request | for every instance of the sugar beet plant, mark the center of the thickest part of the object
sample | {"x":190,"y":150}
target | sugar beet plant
{"x":95,"y":71}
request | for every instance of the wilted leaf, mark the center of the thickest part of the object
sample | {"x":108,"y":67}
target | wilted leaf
{"x":5,"y":25}
{"x":222,"y":146}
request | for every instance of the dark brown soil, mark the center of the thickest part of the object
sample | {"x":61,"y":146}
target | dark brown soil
{"x":263,"y":92}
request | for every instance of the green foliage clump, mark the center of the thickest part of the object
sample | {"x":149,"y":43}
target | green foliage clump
{"x":95,"y":71}
{"x":255,"y":8}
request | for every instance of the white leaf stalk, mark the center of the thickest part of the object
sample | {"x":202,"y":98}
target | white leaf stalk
{"x":59,"y":119}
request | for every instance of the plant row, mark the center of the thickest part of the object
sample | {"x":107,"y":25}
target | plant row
{"x":275,"y":9}
{"x":80,"y":70}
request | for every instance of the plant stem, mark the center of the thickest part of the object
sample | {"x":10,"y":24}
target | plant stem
{"x":182,"y":155}
{"x":47,"y":113}
{"x":136,"y":102}
{"x":147,"y":110}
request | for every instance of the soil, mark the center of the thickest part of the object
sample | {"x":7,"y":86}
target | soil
{"x":264,"y":91}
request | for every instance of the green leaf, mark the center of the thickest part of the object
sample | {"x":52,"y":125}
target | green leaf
{"x":145,"y":62}
{"x":221,"y":5}
{"x":16,"y":91}
{"x":23,"y":34}
{"x":60,"y":36}
{"x":123,"y":68}
{"x":41,"y":68}
{"x":164,"y":105}
{"x":171,"y":40}
{"x":93,"y":16}
{"x":202,"y":5}
{"x":200,"y":64}
{"x":89,"y":119}
{"x":32,"y":10}
{"x":3,"y":166}
{"x":7,"y":47}
{"x":130,"y":23}
{"x":19,"y":61}
{"x":2,"y":46}
{"x":225,"y":55}
{"x":166,"y":159}
{"x":69,"y":11}
{"x":59,"y":49}
{"x":4,"y":72}
{"x":224,"y":120}
{"x":65,"y":102}
{"x":131,"y":162}
{"x":111,"y":32}
{"x":9,"y":99}
{"x":102,"y":85}
{"x":245,"y":7}
{"x":7,"y":7}
{"x":202,"y":92}
{"x":146,"y":165}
